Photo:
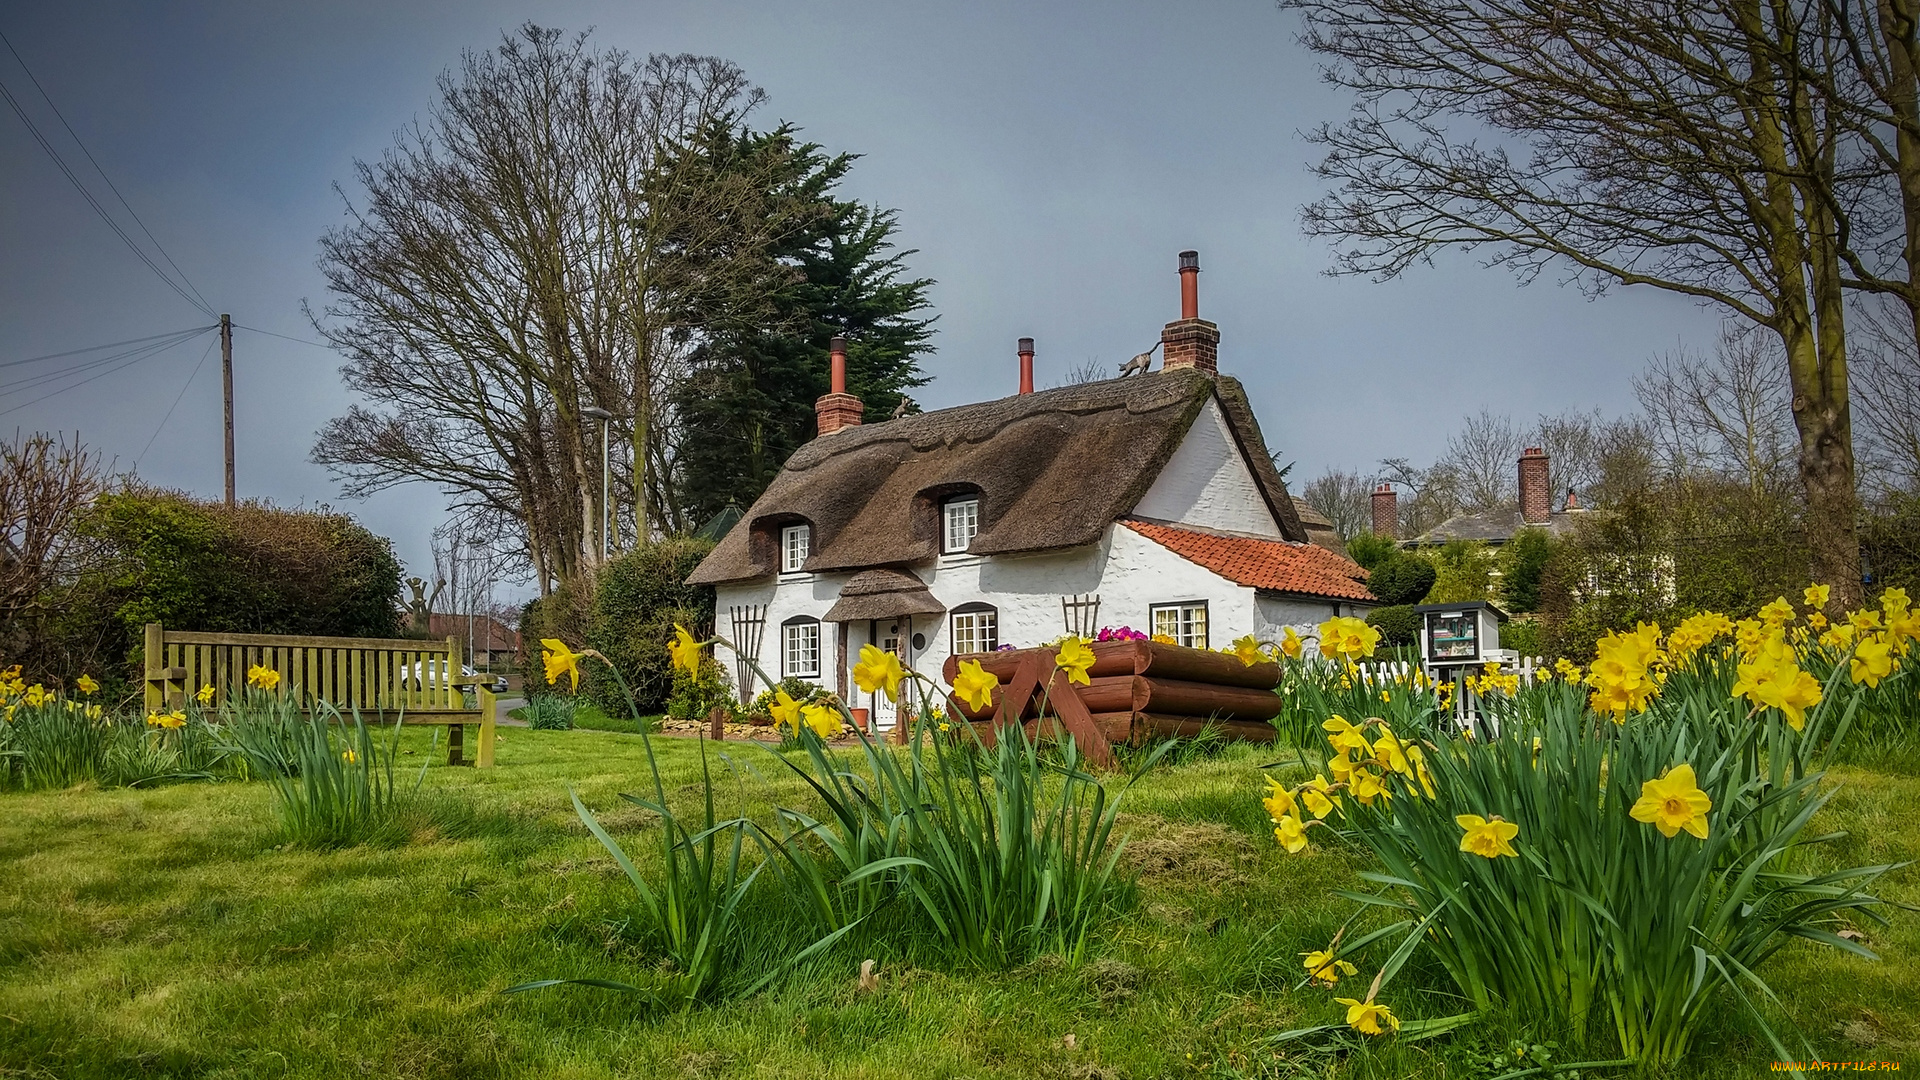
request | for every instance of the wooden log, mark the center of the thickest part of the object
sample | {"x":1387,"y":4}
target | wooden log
{"x":1114,"y":658}
{"x":1186,"y":727}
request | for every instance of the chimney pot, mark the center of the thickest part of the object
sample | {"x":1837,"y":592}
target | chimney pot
{"x":1536,"y":498}
{"x":1026,"y":365}
{"x":1386,"y":511}
{"x":1192,"y":342}
{"x":838,"y":409}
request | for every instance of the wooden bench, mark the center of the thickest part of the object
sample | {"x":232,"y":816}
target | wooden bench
{"x":417,"y":682}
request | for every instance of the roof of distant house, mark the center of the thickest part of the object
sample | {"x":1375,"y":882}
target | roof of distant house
{"x":1497,"y":526}
{"x":1274,"y":565}
{"x":488,"y":632}
{"x":1053,"y":469}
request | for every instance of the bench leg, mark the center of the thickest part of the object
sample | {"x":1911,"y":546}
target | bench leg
{"x":456,"y":739}
{"x":488,"y":711}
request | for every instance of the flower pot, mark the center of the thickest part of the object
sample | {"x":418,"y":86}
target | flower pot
{"x":860,"y":719}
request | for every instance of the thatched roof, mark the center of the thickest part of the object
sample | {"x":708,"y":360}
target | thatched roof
{"x":1052,"y":470}
{"x":883,"y":594}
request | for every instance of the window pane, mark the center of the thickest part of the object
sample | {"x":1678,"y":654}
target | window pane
{"x":962,"y":523}
{"x":802,"y":652}
{"x":975,"y":631}
{"x":793,"y":554}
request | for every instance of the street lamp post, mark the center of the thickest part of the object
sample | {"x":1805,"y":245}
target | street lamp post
{"x":606,"y":471}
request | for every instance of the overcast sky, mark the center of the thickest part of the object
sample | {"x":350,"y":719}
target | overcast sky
{"x":1048,"y":162}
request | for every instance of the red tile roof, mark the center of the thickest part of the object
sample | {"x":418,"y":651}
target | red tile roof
{"x":1263,"y":564}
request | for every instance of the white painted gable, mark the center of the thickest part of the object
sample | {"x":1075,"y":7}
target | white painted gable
{"x":1207,"y":483}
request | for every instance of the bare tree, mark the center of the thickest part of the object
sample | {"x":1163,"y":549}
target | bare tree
{"x":46,"y":485}
{"x":1621,"y":143}
{"x":1482,"y":458}
{"x":552,"y":238}
{"x":1728,"y":413}
{"x":1889,"y":398}
{"x":1433,"y":494}
{"x":1344,"y":498}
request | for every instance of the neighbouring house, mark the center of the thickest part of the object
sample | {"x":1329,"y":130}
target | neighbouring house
{"x":493,"y":642}
{"x":1494,"y":527}
{"x":1148,"y":501}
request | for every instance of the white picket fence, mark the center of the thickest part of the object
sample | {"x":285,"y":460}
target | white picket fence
{"x":1388,"y":671}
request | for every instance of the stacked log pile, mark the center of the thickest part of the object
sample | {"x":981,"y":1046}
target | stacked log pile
{"x":1141,"y":689}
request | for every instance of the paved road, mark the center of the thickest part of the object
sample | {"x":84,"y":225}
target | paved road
{"x":504,"y":705}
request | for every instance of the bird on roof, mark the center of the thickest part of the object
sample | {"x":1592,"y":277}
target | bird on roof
{"x":907,"y":405}
{"x":1139,"y":364}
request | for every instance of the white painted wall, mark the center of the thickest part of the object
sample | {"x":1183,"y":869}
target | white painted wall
{"x":1207,"y":483}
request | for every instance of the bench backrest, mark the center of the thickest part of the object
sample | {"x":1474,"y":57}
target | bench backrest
{"x":374,"y":675}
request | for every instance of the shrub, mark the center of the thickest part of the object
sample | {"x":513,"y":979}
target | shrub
{"x":1370,"y":551}
{"x":1398,"y":625}
{"x":340,"y":790}
{"x":694,"y":697}
{"x":1463,"y":571}
{"x":1522,"y":560}
{"x":1401,"y":579}
{"x":252,"y":568}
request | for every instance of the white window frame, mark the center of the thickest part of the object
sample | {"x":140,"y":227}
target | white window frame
{"x":1180,"y":622}
{"x":800,"y":649}
{"x":796,"y":543}
{"x":959,"y":524}
{"x":974,"y":631}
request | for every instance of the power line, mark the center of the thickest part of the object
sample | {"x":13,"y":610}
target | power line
{"x":101,"y":348}
{"x":191,"y":297}
{"x":283,"y":337}
{"x":142,"y":354}
{"x":17,"y":385}
{"x":176,"y":403}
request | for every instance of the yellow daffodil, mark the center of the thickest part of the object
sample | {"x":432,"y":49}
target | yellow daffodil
{"x":878,"y":670}
{"x":1290,"y":644}
{"x":1771,"y":676}
{"x":153,"y":719}
{"x":36,"y":696}
{"x":1674,"y":802}
{"x":175,"y":719}
{"x":973,"y":685}
{"x":1777,"y":612}
{"x":1389,"y":754}
{"x":204,"y":695}
{"x":1872,"y":661}
{"x":95,"y":712}
{"x":1490,"y":838}
{"x":1317,"y":795}
{"x":560,"y":660}
{"x":1074,"y":658}
{"x":1838,"y":636}
{"x":1324,"y":968}
{"x":264,"y":678}
{"x":1291,"y":835}
{"x":1816,"y":596}
{"x":1368,"y":1018}
{"x":1865,"y":620}
{"x":1817,"y":620}
{"x":1346,"y":638}
{"x":1345,"y":735}
{"x":10,"y":674}
{"x":1341,"y":767}
{"x":1419,"y":759}
{"x":684,"y":650}
{"x":1164,"y":639}
{"x":1366,"y":786}
{"x":349,"y":757}
{"x":785,"y":711}
{"x":823,"y":720}
{"x":86,"y":685}
{"x":1621,"y":675}
{"x":1247,"y":649}
{"x":1279,"y":802}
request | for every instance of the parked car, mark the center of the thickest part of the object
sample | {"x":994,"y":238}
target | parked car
{"x":425,"y":673}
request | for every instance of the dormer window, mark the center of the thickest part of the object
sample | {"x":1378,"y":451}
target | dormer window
{"x":795,"y":542}
{"x":962,"y":521}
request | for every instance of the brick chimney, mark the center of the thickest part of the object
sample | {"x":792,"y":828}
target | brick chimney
{"x":1026,"y":365}
{"x":1193,"y":342}
{"x":1386,"y":511}
{"x":838,"y":409}
{"x":1536,"y":501}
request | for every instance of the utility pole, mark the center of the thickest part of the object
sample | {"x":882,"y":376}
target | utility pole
{"x":606,"y":474}
{"x":226,"y":385}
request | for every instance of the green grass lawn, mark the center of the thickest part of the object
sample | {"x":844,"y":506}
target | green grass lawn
{"x":166,"y":933}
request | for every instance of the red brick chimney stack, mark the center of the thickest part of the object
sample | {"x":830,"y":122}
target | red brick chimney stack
{"x":1193,"y":342}
{"x":1386,"y":511}
{"x":1026,"y":365}
{"x":838,"y":409}
{"x":1536,"y":500}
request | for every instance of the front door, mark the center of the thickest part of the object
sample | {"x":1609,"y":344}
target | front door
{"x":894,"y":636}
